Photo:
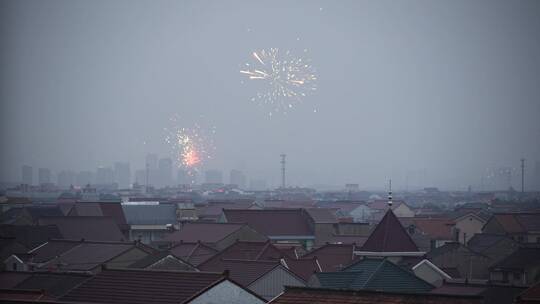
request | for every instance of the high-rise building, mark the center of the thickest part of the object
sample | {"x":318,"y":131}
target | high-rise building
{"x":152,"y":161}
{"x":122,"y":174}
{"x":27,"y":175}
{"x":104,"y":176}
{"x":44,"y":176}
{"x":186,"y":177}
{"x":66,"y":179}
{"x":237,"y":178}
{"x":140,"y":177}
{"x":213,"y":177}
{"x":165,"y":168}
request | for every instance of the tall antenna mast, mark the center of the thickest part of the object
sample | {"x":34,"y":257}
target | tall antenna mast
{"x":390,"y":193}
{"x":147,"y":172}
{"x":283,"y":170}
{"x":522,"y":175}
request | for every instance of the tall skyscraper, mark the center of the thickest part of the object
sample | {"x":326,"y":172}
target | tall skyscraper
{"x":165,"y":169}
{"x":140,"y":177}
{"x":44,"y":176}
{"x":27,"y":175}
{"x":213,"y":177}
{"x":186,"y":178}
{"x":104,"y":176}
{"x":237,"y":178}
{"x":122,"y":174}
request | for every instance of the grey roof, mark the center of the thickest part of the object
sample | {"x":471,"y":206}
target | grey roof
{"x":161,"y":214}
{"x":482,"y":241}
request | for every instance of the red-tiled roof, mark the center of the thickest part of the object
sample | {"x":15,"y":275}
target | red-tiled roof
{"x":333,"y":257}
{"x":435,"y":228}
{"x":98,"y":228}
{"x":85,"y":209}
{"x":242,"y":250}
{"x":204,"y":232}
{"x":193,"y":252}
{"x":273,"y":222}
{"x":389,"y":236}
{"x":115,"y":211}
{"x":304,"y":295}
{"x":23,"y":295}
{"x":509,"y":222}
{"x":142,"y":286}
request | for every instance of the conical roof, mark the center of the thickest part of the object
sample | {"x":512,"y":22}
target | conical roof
{"x":389,"y":236}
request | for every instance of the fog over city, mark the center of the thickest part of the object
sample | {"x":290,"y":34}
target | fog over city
{"x":427,"y":93}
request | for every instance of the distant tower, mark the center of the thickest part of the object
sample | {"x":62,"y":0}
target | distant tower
{"x":283,"y":170}
{"x":390,"y":194}
{"x":523,"y":175}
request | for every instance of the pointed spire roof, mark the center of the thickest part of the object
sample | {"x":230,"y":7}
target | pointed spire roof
{"x":389,"y":236}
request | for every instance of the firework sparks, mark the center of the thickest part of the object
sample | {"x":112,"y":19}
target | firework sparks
{"x":289,"y":79}
{"x":191,"y":147}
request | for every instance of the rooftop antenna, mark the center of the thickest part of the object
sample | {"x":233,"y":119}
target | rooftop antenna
{"x":283,"y":170}
{"x":522,"y":175}
{"x":390,"y":193}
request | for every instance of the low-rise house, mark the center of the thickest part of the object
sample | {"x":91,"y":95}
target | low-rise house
{"x":530,"y":296}
{"x":491,"y":293}
{"x":521,"y":268}
{"x":299,"y":295}
{"x":89,"y":257}
{"x":243,"y":250}
{"x":163,"y":260}
{"x":217,"y":235}
{"x":160,"y":287}
{"x":28,"y":215}
{"x":456,"y":256}
{"x":439,"y":230}
{"x":193,"y":252}
{"x":521,"y":227}
{"x":467,"y":225}
{"x":400,"y":208}
{"x":389,"y":239}
{"x":54,"y":285}
{"x":494,"y":246}
{"x":333,"y":257}
{"x":373,"y":274}
{"x":29,"y":236}
{"x":430,"y":273}
{"x":150,"y":222}
{"x":266,"y":278}
{"x":95,"y":228}
{"x":279,"y":225}
{"x":324,"y":223}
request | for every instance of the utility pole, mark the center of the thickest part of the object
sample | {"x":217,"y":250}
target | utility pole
{"x":522,"y":175}
{"x":283,"y":170}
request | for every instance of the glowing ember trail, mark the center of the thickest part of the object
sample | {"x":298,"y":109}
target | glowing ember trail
{"x":288,"y":79}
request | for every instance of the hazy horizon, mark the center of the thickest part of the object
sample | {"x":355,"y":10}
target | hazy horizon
{"x":426,"y":93}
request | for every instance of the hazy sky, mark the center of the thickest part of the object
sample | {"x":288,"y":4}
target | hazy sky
{"x":434,"y":90}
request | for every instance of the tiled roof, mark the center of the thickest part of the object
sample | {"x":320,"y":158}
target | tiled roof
{"x":303,"y":267}
{"x":523,"y":258}
{"x":193,"y":252}
{"x":531,"y":294}
{"x":242,"y":250}
{"x":333,"y":257}
{"x":54,"y":284}
{"x":24,"y":296}
{"x":492,"y":294}
{"x":30,"y":236}
{"x":323,"y":215}
{"x":389,"y":236}
{"x":98,"y":228}
{"x":169,"y":260}
{"x":88,"y":255}
{"x":292,"y":222}
{"x":114,"y":210}
{"x":10,"y":279}
{"x":161,"y":214}
{"x":435,"y":228}
{"x":85,"y":209}
{"x":358,"y":240}
{"x":375,"y":274}
{"x":244,"y":271}
{"x":483,"y":241}
{"x":204,"y":232}
{"x":142,"y":286}
{"x":303,"y":295}
{"x":214,"y":209}
{"x":51,"y":249}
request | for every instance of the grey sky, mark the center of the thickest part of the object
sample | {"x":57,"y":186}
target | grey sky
{"x":449,"y":87}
